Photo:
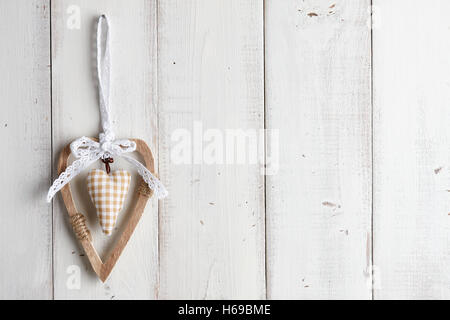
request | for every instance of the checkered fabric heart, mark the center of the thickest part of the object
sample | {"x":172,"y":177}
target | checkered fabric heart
{"x":108,"y":194}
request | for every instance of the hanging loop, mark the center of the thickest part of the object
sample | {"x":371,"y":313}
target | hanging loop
{"x":103,"y":74}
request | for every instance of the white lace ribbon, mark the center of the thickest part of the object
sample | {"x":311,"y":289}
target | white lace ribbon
{"x":86,"y":150}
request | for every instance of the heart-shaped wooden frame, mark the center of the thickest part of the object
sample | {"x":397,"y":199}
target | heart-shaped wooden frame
{"x":103,"y":270}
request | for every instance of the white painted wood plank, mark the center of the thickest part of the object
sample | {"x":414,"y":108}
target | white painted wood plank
{"x":210,"y":74}
{"x":318,"y":97}
{"x":75,"y":113}
{"x":25,"y":131}
{"x":411,"y":149}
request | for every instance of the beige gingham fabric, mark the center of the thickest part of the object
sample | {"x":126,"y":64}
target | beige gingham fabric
{"x":108,"y":194}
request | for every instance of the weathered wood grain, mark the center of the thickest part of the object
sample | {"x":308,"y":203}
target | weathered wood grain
{"x":25,"y":132}
{"x":411,"y":149}
{"x":210,"y":74}
{"x":75,"y":113}
{"x":210,"y":57}
{"x":318,"y":95}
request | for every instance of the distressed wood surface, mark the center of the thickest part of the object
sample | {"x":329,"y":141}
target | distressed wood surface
{"x":25,"y":220}
{"x":411,"y":149}
{"x":76,"y":113}
{"x":180,"y":68}
{"x":210,"y":74}
{"x":318,"y":97}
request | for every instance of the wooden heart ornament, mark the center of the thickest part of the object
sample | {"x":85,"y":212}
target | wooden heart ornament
{"x":103,"y":269}
{"x":108,"y":194}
